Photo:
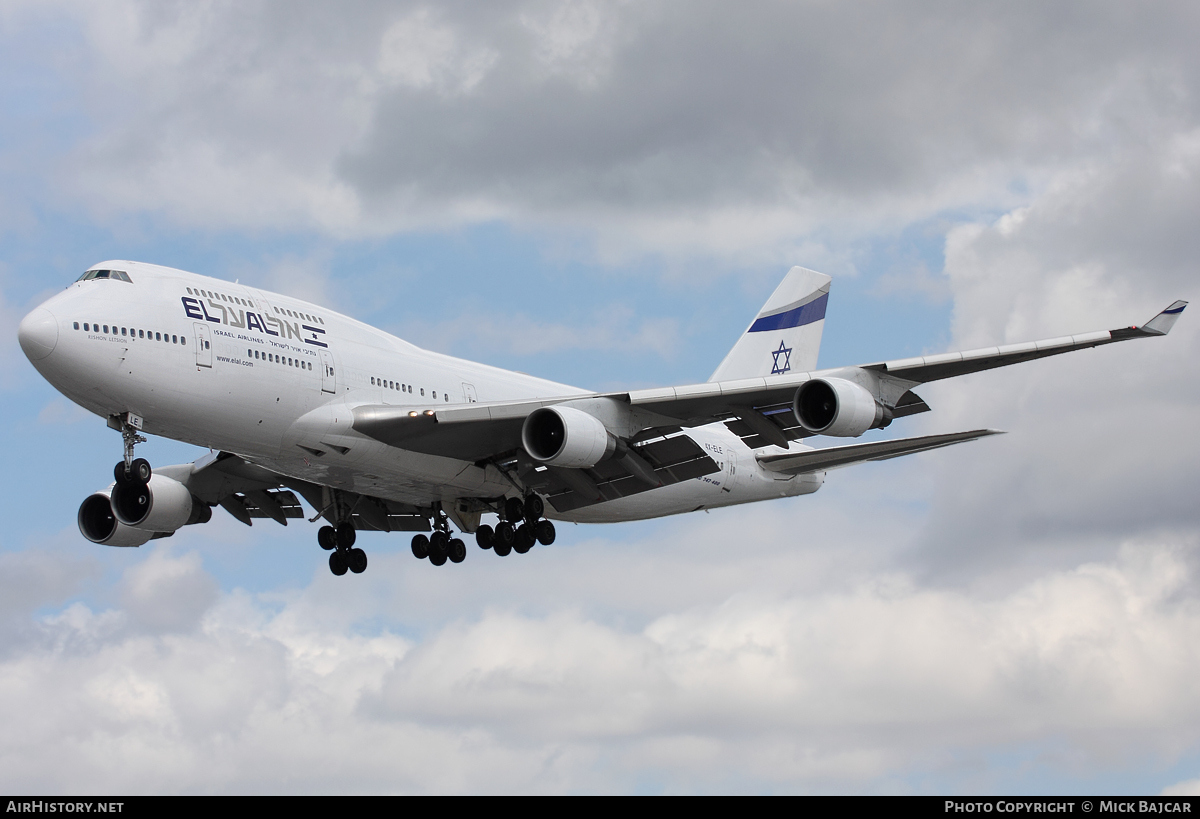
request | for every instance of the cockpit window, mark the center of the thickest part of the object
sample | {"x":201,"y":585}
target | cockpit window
{"x":120,"y":275}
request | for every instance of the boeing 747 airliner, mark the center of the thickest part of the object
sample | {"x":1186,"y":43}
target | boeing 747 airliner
{"x":296,"y":401}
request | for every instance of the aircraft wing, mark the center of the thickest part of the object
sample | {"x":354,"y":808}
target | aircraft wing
{"x":936,"y":367}
{"x":772,"y":395}
{"x":248,"y":491}
{"x":759,"y":410}
{"x":822,"y":460}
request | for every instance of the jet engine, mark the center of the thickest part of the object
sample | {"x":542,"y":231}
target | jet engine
{"x":98,"y":524}
{"x":837,"y":407}
{"x":163,"y":505}
{"x":565,"y":436}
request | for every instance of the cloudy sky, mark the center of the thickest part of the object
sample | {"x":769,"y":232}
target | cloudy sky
{"x":603,"y":194}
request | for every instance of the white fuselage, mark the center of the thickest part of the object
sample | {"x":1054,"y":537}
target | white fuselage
{"x":273,"y":378}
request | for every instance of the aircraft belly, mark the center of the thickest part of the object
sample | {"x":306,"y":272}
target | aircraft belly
{"x":685,"y":496}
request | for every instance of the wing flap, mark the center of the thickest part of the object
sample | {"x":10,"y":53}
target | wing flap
{"x":258,"y":504}
{"x":673,"y":459}
{"x":821,"y":460}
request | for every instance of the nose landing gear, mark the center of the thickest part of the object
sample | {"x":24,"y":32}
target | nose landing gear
{"x":130,"y":470}
{"x":131,"y":492}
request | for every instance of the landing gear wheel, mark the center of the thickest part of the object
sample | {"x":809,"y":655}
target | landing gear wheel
{"x":346,"y":535}
{"x":337,"y":563}
{"x":502,"y":548}
{"x":437,"y":545}
{"x":120,"y":475}
{"x":140,"y":470}
{"x":356,"y":559}
{"x":534,"y":507}
{"x":456,"y":550}
{"x":420,"y":547}
{"x":485,"y":536}
{"x":437,"y":558}
{"x":504,"y":536}
{"x":327,"y":538}
{"x":514,"y":510}
{"x":544,"y":531}
{"x":523,"y":542}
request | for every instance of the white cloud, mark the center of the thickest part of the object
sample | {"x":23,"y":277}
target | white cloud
{"x":615,"y":328}
{"x":574,"y":39}
{"x":676,"y":129}
{"x":1190,"y":787}
{"x":163,"y":594}
{"x":418,"y":52}
{"x":834,"y":689}
{"x":1101,"y":439}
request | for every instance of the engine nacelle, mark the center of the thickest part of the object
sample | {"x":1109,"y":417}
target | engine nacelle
{"x":835,"y":406}
{"x":565,"y":436}
{"x":98,"y":524}
{"x":162,"y":506}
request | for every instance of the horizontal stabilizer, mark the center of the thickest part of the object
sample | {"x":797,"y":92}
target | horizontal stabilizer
{"x":820,"y":460}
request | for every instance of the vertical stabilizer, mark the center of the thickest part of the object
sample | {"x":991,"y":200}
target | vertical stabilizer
{"x":785,"y":336}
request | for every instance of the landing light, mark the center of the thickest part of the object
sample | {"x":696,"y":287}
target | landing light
{"x":413,"y":414}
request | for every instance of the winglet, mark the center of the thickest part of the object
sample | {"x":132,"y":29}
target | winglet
{"x":1161,"y":324}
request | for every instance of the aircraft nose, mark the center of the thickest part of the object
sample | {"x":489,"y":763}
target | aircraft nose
{"x":38,"y":334}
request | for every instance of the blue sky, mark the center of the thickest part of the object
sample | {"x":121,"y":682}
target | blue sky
{"x":604,"y":195}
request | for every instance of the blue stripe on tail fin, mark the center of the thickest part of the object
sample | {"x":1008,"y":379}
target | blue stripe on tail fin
{"x":785,"y":336}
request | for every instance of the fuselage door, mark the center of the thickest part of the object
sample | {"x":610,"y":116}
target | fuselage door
{"x":328,"y":375}
{"x":203,"y":345}
{"x":469,"y":393}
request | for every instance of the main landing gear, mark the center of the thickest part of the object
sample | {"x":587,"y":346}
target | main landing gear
{"x":439,"y":546}
{"x":521,"y":526}
{"x":340,"y":541}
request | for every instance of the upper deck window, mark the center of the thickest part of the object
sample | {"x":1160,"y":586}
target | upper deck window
{"x":119,"y":275}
